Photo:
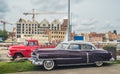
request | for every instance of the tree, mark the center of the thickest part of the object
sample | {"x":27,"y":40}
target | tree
{"x":3,"y":34}
{"x":115,"y":32}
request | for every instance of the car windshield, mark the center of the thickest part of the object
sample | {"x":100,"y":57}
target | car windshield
{"x":26,"y":42}
{"x":62,"y":46}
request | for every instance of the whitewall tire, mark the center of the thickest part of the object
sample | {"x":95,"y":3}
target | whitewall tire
{"x":99,"y":63}
{"x":48,"y":64}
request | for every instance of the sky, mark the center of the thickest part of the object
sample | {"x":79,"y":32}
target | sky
{"x":86,"y":15}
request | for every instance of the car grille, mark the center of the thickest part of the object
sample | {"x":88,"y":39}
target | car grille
{"x":34,"y":56}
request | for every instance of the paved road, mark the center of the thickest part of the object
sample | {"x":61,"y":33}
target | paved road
{"x":106,"y":69}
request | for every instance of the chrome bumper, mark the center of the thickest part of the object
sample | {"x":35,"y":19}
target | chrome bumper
{"x":112,"y":59}
{"x":36,"y":62}
{"x":9,"y":56}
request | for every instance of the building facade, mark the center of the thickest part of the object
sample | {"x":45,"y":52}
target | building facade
{"x":43,"y":31}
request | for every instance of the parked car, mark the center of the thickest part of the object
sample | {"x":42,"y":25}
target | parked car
{"x":70,"y":53}
{"x":24,"y":51}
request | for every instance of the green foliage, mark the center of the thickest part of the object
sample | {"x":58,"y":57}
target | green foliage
{"x":10,"y":67}
{"x":118,"y":52}
{"x":3,"y":34}
{"x":109,"y":47}
{"x":116,"y":62}
{"x":115,"y":32}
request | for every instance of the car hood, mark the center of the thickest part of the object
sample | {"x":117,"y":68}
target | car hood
{"x":102,"y":50}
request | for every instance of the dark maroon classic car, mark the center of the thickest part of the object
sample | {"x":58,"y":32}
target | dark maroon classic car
{"x":70,"y":53}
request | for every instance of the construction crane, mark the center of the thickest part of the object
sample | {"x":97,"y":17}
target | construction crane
{"x":4,"y":24}
{"x":33,"y":13}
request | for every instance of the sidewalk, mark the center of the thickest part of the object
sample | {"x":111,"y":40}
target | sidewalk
{"x":118,"y":57}
{"x":3,"y":55}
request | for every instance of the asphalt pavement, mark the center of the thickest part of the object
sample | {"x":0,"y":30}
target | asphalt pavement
{"x":86,"y":69}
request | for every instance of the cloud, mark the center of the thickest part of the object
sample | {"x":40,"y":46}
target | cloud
{"x":88,"y":21}
{"x":3,"y":8}
{"x":50,"y":5}
{"x":82,"y":25}
{"x":84,"y":28}
{"x":111,"y":25}
{"x":76,"y":1}
{"x":84,"y":12}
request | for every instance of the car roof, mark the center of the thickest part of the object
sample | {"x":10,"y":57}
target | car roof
{"x":79,"y":42}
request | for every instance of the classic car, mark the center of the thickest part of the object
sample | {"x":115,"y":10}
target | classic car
{"x":70,"y":53}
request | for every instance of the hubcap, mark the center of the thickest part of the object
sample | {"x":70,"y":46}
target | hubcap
{"x":99,"y":63}
{"x":49,"y":64}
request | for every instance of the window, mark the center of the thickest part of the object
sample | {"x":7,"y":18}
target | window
{"x":32,"y":44}
{"x":88,"y":47}
{"x":18,"y":36}
{"x":55,"y":28}
{"x":62,"y":45}
{"x":26,"y":42}
{"x":75,"y":46}
{"x":44,"y":24}
{"x":52,"y":25}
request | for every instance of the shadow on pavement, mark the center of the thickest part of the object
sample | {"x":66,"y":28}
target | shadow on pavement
{"x":39,"y":68}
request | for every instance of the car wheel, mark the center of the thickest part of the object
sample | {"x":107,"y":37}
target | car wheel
{"x":17,"y":56}
{"x":98,"y":63}
{"x":48,"y":64}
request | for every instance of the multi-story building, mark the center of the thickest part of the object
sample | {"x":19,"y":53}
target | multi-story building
{"x":64,"y":24}
{"x":96,"y":37}
{"x":56,"y":36}
{"x":44,"y":31}
{"x":31,"y":30}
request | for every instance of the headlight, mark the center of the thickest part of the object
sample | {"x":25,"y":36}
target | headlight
{"x":37,"y":56}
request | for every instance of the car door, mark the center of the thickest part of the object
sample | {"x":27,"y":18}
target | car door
{"x":32,"y":46}
{"x":89,"y":49}
{"x":77,"y":56}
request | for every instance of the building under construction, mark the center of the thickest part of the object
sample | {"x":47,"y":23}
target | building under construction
{"x":44,"y":31}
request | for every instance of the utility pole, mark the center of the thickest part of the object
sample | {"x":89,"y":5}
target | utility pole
{"x":68,"y":28}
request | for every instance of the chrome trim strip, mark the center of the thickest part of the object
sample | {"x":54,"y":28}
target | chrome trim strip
{"x":74,"y":64}
{"x":60,"y":58}
{"x":87,"y":57}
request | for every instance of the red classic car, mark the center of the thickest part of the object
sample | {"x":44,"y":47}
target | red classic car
{"x":25,"y":49}
{"x":70,"y":53}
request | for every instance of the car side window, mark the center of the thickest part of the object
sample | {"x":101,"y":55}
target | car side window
{"x":32,"y":44}
{"x":75,"y":46}
{"x":87,"y":47}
